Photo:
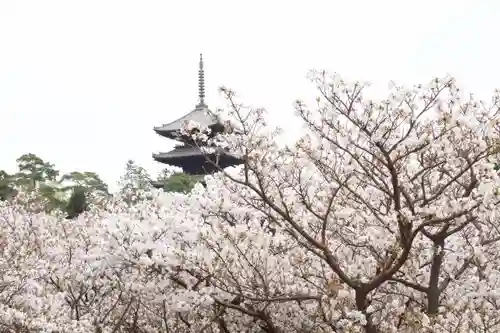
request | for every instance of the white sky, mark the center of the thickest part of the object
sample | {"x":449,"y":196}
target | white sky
{"x":82,"y":83}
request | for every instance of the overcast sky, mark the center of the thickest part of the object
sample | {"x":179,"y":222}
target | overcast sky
{"x":82,"y":83}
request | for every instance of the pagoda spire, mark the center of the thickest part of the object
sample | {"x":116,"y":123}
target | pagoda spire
{"x":201,"y":83}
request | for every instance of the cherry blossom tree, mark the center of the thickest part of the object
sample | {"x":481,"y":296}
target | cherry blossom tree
{"x":381,"y":218}
{"x":93,"y":273}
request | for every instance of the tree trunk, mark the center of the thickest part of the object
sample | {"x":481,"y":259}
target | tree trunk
{"x":362,"y":305}
{"x":434,"y":293}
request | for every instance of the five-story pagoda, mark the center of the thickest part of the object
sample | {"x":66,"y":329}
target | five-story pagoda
{"x":188,"y":155}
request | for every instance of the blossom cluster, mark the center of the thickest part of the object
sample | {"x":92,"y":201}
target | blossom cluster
{"x":381,"y":218}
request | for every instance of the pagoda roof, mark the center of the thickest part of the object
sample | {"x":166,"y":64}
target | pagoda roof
{"x":194,"y":161}
{"x":186,"y":151}
{"x":201,"y":115}
{"x":179,"y":152}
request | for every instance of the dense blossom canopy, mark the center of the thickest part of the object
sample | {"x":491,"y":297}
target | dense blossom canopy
{"x":381,"y":218}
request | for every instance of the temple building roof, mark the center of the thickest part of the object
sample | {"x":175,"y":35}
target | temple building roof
{"x":187,"y":151}
{"x":200,"y":115}
{"x":193,"y":161}
{"x":179,"y":152}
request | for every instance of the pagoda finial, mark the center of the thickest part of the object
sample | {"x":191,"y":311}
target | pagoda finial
{"x":201,"y":83}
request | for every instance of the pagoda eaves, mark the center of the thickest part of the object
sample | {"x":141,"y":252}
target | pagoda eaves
{"x":201,"y":115}
{"x":195,"y":162}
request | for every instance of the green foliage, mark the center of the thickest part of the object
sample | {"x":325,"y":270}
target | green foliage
{"x":135,"y":178}
{"x":86,"y":179}
{"x":6,"y":190}
{"x":32,"y":170}
{"x":77,"y":203}
{"x":50,"y":195}
{"x":36,"y":174}
{"x":135,"y":181}
{"x":181,"y":182}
